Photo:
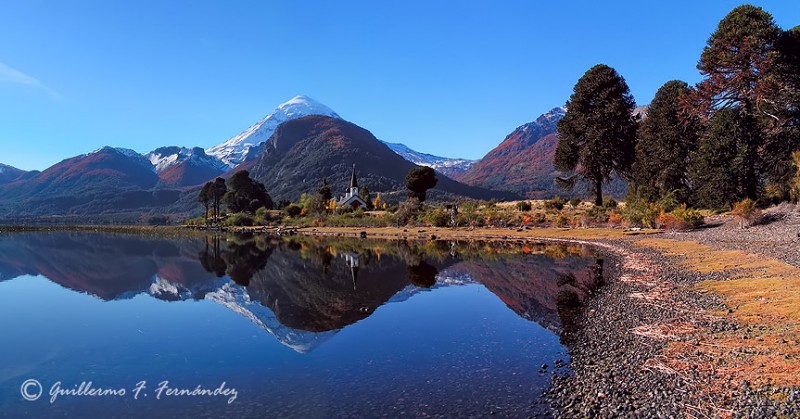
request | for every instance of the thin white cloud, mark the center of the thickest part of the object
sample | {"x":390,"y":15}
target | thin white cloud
{"x":12,"y":75}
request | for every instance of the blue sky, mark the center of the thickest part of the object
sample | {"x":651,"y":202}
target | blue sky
{"x":448,"y":78}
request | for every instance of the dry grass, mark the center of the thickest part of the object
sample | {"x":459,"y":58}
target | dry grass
{"x":759,"y":289}
{"x":763,"y":296}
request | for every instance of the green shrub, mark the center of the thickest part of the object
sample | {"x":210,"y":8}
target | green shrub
{"x":555,"y":204}
{"x":690,"y":216}
{"x":197,"y":221}
{"x":407,"y":211}
{"x":574,"y":202}
{"x":265,"y":216}
{"x":293,"y":210}
{"x":561,"y":220}
{"x":524,"y":206}
{"x":239,"y":219}
{"x":609,"y":202}
{"x":437,"y":217}
{"x":597,"y":214}
{"x":746,"y":213}
{"x":640,"y":213}
{"x":794,"y":185}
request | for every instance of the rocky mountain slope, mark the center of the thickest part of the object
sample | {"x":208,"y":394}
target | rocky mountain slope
{"x":523,"y":162}
{"x":181,"y":166}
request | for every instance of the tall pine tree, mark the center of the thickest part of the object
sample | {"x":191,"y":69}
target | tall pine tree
{"x":721,"y":171}
{"x":597,"y":136}
{"x":736,"y":59}
{"x":666,"y":138}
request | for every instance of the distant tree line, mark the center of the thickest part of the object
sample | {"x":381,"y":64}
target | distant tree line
{"x":734,"y":135}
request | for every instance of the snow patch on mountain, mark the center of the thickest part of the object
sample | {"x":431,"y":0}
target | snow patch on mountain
{"x":139,"y":158}
{"x":550,"y":119}
{"x":445,"y":165}
{"x":234,"y":150}
{"x":164,"y":157}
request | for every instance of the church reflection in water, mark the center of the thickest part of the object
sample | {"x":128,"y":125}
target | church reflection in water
{"x":303,"y":289}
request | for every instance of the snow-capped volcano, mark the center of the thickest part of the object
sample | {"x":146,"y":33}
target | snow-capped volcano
{"x":447,"y":166}
{"x":234,"y":151}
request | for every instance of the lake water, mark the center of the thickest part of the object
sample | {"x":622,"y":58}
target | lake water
{"x":295,"y":327}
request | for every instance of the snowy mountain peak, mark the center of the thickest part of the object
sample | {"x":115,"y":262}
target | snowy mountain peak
{"x":304,"y":105}
{"x":234,"y":150}
{"x":131,"y":154}
{"x":165,"y":157}
{"x":448,"y":166}
{"x":124,"y":151}
{"x":549,"y":119}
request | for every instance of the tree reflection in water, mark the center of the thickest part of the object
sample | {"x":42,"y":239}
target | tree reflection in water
{"x":243,"y":256}
{"x":318,"y":285}
{"x":422,"y":274}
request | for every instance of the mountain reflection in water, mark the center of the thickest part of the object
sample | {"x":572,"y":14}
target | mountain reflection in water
{"x":303,"y":290}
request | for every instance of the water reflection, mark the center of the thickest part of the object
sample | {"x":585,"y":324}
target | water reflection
{"x":303,"y":289}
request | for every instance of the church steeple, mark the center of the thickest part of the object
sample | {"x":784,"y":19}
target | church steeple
{"x":353,"y":180}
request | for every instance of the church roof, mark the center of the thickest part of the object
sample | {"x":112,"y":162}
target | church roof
{"x":353,"y":180}
{"x":349,"y":200}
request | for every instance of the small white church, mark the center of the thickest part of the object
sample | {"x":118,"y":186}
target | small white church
{"x":351,"y":197}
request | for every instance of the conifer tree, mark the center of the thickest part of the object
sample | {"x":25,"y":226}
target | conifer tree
{"x":736,"y":59}
{"x":325,"y":190}
{"x":665,"y":140}
{"x":205,"y":198}
{"x":218,"y":190}
{"x":721,"y":171}
{"x":597,"y":136}
{"x":419,"y":180}
{"x":246,"y":194}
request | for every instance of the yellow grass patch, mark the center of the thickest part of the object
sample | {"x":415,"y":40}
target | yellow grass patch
{"x":763,"y":294}
{"x":760,"y":290}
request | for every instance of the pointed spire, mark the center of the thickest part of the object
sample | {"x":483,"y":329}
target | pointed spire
{"x":353,"y":181}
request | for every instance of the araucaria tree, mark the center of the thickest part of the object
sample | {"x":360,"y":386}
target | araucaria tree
{"x":721,"y":171}
{"x":205,"y":198}
{"x":419,"y":180}
{"x":245,"y":194}
{"x":747,"y":66}
{"x":666,"y":138}
{"x":218,"y":190}
{"x":736,"y":61}
{"x":597,"y":136}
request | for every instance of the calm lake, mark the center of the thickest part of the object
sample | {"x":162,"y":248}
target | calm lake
{"x":255,"y":326}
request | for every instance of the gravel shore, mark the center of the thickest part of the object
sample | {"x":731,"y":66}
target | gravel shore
{"x":618,"y":365}
{"x":776,"y":236}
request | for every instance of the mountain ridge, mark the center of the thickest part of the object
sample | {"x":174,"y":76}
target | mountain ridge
{"x":445,"y":165}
